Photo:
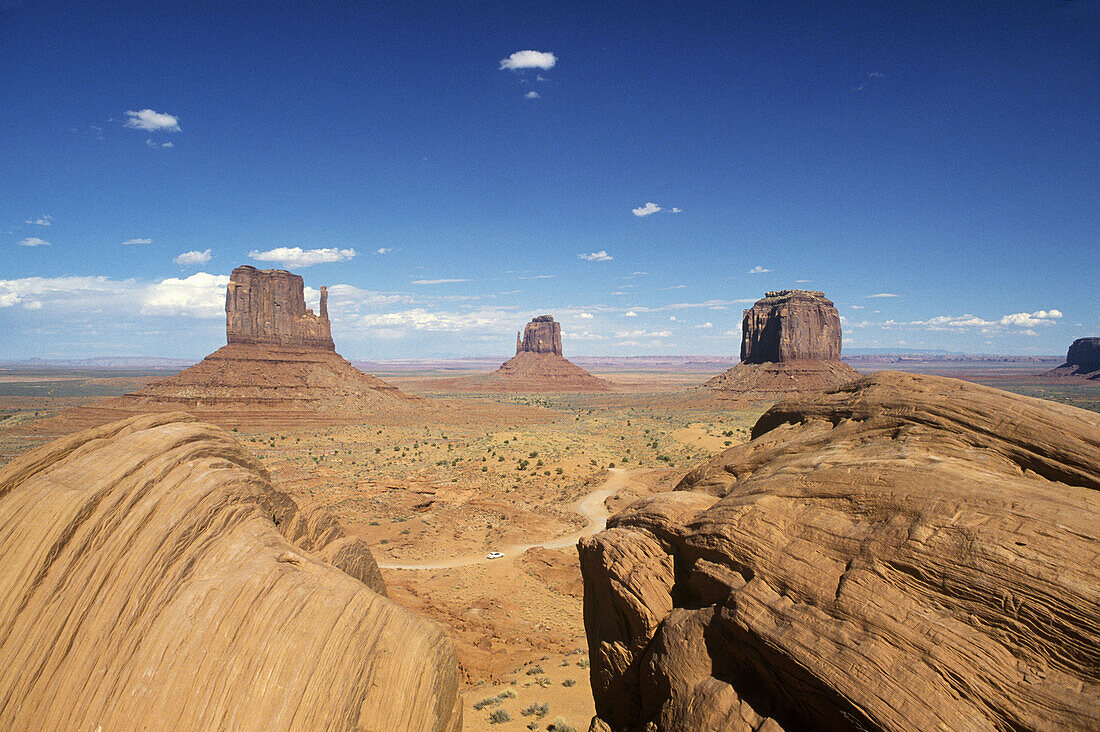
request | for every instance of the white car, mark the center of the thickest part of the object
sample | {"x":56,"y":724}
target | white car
{"x":494,"y":555}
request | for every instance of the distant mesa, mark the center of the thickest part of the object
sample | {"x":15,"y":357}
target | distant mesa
{"x":1083,"y":359}
{"x":155,"y":578}
{"x":790,"y":343}
{"x":279,"y":362}
{"x":538,"y":366}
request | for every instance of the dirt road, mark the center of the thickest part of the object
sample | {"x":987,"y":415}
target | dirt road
{"x":591,"y":507}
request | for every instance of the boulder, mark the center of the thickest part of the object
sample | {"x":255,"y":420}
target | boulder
{"x":154,"y":578}
{"x":905,"y":553}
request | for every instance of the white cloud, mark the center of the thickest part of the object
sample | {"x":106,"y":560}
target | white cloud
{"x":859,"y":307}
{"x":529,"y":60}
{"x":443,"y":281}
{"x":646,"y":210}
{"x":882,"y":294}
{"x":672,"y":318}
{"x":540,"y":77}
{"x":1030,"y":320}
{"x":630,"y":314}
{"x":706,"y":325}
{"x":759,"y":270}
{"x":150,"y":143}
{"x":802,"y":282}
{"x":298,"y":257}
{"x":33,"y":241}
{"x":675,"y":209}
{"x":42,"y":220}
{"x":190,"y":259}
{"x":643,"y":334}
{"x":532,"y":95}
{"x":427,"y":320}
{"x":201,"y":295}
{"x":383,"y":250}
{"x":137,"y":241}
{"x":85,"y":293}
{"x":151,"y":121}
{"x":585,"y":316}
{"x":600,"y":256}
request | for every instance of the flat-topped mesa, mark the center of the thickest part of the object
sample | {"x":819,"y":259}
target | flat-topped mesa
{"x":791,"y":325}
{"x":542,"y":335}
{"x":268,"y":307}
{"x":1084,"y":353}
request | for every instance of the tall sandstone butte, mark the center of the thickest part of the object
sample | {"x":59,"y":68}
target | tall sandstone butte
{"x":905,"y":553}
{"x":155,"y":578}
{"x":538,"y":366}
{"x":279,"y":364}
{"x":790,"y":343}
{"x":1082,"y":359}
{"x":268,"y":307}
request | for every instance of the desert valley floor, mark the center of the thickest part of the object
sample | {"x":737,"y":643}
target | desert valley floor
{"x":523,"y":474}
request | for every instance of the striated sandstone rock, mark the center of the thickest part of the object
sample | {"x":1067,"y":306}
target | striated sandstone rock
{"x":905,"y":553}
{"x":269,"y":307}
{"x":153,"y":578}
{"x":790,"y":344}
{"x":1083,"y":359}
{"x":542,"y":335}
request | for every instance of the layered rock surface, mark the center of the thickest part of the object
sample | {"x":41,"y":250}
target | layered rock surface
{"x":1082,"y":359}
{"x":537,"y":366}
{"x":790,"y":343}
{"x":905,"y":553}
{"x":279,"y":363}
{"x":155,"y":579}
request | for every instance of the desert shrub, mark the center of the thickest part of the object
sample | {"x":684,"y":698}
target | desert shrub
{"x":535,"y":670}
{"x":486,"y":702}
{"x":506,"y":694}
{"x":500,"y":716}
{"x":536,"y":710}
{"x":583,"y":663}
{"x":560,"y":725}
{"x":569,"y":682}
{"x":533,"y":453}
{"x":559,"y":471}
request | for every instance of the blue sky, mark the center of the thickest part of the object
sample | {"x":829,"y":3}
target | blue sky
{"x":933,"y":167}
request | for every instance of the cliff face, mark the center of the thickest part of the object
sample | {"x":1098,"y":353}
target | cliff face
{"x":542,"y":335}
{"x":268,"y":307}
{"x":905,"y":553}
{"x":154,"y":578}
{"x":791,"y":325}
{"x":790,"y":344}
{"x":1083,"y":359}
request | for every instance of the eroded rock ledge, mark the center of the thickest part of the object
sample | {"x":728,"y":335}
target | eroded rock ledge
{"x":906,"y":553}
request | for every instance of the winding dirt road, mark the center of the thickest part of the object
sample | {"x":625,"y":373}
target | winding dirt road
{"x":591,"y":507}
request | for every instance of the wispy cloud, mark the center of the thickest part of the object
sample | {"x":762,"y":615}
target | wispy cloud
{"x":201,"y":295}
{"x":585,"y":316}
{"x":150,"y":121}
{"x":137,"y":241}
{"x":881,"y":295}
{"x":532,"y":95}
{"x":675,"y":209}
{"x":649,"y":208}
{"x":383,"y":250}
{"x":190,"y":259}
{"x":869,"y":80}
{"x":443,"y":281}
{"x":42,"y":220}
{"x":529,"y":60}
{"x":759,"y":270}
{"x":150,"y":143}
{"x":298,"y":257}
{"x":600,"y":256}
{"x":33,"y":241}
{"x":630,"y":314}
{"x":708,"y":324}
{"x":644,"y":334}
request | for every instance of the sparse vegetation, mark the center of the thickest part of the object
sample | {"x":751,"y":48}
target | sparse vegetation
{"x":536,"y":710}
{"x":500,"y":716}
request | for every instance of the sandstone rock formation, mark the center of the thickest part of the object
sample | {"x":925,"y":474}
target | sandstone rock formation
{"x":153,"y":578}
{"x":538,"y":366}
{"x":268,"y":307}
{"x":542,"y":335}
{"x":279,"y":365}
{"x":1083,"y":359}
{"x":790,"y":343}
{"x":905,"y":553}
